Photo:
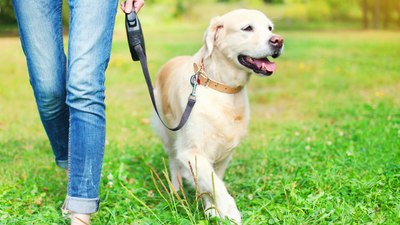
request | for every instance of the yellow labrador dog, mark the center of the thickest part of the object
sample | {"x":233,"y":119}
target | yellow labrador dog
{"x":235,"y":45}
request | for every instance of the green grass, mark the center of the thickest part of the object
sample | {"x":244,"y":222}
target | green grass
{"x":323,"y":144}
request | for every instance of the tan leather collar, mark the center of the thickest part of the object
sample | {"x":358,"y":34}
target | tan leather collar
{"x":204,"y":80}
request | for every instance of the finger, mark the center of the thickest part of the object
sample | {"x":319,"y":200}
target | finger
{"x":128,"y":6}
{"x":122,"y":5}
{"x":138,"y":5}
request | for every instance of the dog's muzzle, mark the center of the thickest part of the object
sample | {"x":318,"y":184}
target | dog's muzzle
{"x":276,"y":42}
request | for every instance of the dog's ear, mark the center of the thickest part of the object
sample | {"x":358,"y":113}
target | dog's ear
{"x":211,"y":35}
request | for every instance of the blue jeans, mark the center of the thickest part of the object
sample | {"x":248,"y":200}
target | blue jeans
{"x":70,"y":94}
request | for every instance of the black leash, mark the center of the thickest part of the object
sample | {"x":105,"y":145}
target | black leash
{"x":138,"y":52}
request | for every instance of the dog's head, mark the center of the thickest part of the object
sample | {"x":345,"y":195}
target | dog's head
{"x":246,"y":38}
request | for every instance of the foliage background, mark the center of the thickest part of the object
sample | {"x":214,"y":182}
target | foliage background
{"x":376,"y":14}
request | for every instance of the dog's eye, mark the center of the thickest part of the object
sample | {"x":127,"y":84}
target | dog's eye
{"x":248,"y":28}
{"x":270,"y":28}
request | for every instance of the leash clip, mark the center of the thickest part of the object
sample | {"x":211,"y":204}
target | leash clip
{"x":194,"y":82}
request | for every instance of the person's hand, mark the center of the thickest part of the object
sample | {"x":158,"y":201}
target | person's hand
{"x":126,"y":6}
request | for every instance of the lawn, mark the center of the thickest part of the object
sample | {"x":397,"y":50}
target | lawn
{"x":323,"y":144}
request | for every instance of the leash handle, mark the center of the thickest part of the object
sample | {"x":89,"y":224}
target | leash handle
{"x":138,"y":53}
{"x":134,"y":34}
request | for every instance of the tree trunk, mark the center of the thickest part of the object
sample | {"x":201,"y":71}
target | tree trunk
{"x":376,"y":15}
{"x":364,"y":11}
{"x":398,"y":13}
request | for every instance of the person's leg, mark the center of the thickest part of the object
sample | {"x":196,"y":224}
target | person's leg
{"x":40,"y":29}
{"x":91,"y":28}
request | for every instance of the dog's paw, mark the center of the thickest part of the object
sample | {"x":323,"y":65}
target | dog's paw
{"x":227,"y":208}
{"x":210,"y":209}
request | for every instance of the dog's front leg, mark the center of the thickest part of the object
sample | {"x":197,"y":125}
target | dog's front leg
{"x":208,"y":184}
{"x":221,"y":166}
{"x":176,"y":178}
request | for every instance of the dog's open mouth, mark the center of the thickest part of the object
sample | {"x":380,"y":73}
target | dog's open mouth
{"x":260,"y":66}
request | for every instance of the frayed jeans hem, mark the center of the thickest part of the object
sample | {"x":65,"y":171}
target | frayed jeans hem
{"x":81,"y":205}
{"x":62,"y":164}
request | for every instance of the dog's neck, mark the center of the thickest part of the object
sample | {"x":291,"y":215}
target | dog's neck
{"x":222,"y":70}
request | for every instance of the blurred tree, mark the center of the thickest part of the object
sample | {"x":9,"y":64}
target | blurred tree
{"x":383,"y":13}
{"x":364,"y":10}
{"x":376,"y":14}
{"x":323,"y":10}
{"x":227,"y":0}
{"x":340,"y":9}
{"x":273,"y":1}
{"x":65,"y":14}
{"x":390,"y":10}
{"x":6,"y":12}
{"x":182,"y":7}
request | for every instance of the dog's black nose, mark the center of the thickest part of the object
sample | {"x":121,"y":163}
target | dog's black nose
{"x":276,"y":41}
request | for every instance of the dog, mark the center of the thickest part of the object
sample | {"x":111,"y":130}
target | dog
{"x":236,"y":45}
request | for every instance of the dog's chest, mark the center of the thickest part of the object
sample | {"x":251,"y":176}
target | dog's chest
{"x":224,"y":123}
{"x":230,"y":129}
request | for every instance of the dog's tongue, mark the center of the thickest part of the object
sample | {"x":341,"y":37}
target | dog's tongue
{"x":265,"y":65}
